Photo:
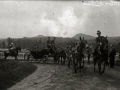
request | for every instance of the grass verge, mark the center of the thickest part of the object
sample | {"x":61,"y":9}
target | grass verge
{"x":12,"y":72}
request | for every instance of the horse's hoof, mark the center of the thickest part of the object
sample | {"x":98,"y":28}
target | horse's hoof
{"x":102,"y":71}
{"x":75,"y":71}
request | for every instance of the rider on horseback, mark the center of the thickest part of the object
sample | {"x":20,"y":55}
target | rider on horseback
{"x":11,"y":47}
{"x":99,"y":40}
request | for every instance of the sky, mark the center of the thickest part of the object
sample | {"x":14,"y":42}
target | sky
{"x":58,"y":18}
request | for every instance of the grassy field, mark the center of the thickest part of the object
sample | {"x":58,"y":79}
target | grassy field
{"x":12,"y":72}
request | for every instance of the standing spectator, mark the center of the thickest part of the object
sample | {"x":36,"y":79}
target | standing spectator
{"x":119,"y":49}
{"x":112,"y":54}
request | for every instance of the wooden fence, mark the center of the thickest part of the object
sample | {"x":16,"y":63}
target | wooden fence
{"x":21,"y":56}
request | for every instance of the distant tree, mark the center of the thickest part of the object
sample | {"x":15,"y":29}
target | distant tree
{"x":9,"y":40}
{"x":119,"y":43}
{"x":3,"y":44}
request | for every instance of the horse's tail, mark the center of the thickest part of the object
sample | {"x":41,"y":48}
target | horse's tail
{"x":5,"y":52}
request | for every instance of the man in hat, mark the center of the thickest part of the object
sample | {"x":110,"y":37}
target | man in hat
{"x":11,"y":47}
{"x":101,"y":45}
{"x":99,"y":38}
{"x":112,"y":54}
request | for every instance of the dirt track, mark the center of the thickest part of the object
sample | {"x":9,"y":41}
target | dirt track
{"x":58,"y":77}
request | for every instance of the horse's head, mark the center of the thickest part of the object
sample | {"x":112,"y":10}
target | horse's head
{"x":103,"y":47}
{"x":18,"y":48}
{"x":104,"y":41}
{"x":82,"y":43}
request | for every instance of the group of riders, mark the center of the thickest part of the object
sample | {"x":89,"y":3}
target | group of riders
{"x":72,"y":47}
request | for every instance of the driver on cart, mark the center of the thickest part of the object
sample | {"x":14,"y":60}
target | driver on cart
{"x":53,"y":44}
{"x":49,"y":43}
{"x":35,"y":47}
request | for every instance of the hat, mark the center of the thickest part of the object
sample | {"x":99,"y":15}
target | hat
{"x":111,"y":45}
{"x":98,"y":32}
{"x":12,"y":43}
{"x":86,"y":45}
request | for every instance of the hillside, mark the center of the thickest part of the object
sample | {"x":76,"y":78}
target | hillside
{"x":40,"y":40}
{"x":87,"y":37}
{"x":115,"y":38}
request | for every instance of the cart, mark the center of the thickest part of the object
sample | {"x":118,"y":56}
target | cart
{"x":36,"y":55}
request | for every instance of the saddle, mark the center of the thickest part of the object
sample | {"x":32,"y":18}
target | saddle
{"x":11,"y":51}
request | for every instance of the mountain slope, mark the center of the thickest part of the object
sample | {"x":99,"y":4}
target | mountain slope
{"x":87,"y":37}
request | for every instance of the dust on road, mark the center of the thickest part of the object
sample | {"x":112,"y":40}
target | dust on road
{"x":58,"y":77}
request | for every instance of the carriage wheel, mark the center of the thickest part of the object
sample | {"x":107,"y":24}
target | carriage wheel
{"x":28,"y":57}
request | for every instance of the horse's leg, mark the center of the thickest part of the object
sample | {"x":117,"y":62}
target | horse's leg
{"x":64,"y":59}
{"x":83,"y":61}
{"x":58,"y":59}
{"x":104,"y":67}
{"x":61,"y":61}
{"x":54,"y":59}
{"x":99,"y":66}
{"x":15,"y":57}
{"x":89,"y":58}
{"x":94,"y":63}
{"x":5,"y":57}
{"x":80,"y":61}
{"x":74,"y":63}
{"x":69,"y":63}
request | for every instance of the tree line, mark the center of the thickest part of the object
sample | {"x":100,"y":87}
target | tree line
{"x":28,"y":43}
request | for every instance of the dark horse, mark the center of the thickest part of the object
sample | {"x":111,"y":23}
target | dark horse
{"x":100,"y":55}
{"x":57,"y":55}
{"x":79,"y":57}
{"x":13,"y":52}
{"x":60,"y":55}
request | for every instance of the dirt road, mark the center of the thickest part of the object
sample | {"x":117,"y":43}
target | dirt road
{"x":58,"y":77}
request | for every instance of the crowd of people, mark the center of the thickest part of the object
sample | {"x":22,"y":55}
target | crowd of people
{"x":72,"y":47}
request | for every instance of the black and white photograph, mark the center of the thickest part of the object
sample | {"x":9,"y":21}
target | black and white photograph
{"x":59,"y":45}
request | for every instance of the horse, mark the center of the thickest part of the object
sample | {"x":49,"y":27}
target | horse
{"x":60,"y":55}
{"x":13,"y":53}
{"x":78,"y":58}
{"x":100,"y":55}
{"x":57,"y":54}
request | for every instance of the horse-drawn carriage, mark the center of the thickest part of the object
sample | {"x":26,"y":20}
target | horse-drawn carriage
{"x":36,"y":55}
{"x":43,"y":55}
